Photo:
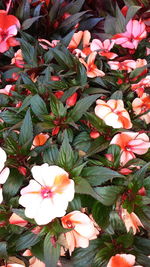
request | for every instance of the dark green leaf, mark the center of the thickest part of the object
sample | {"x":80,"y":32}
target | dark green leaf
{"x":28,"y":22}
{"x":101,"y":214}
{"x":81,"y":107}
{"x":27,"y":240}
{"x":13,"y":183}
{"x":98,"y":175}
{"x":83,"y":187}
{"x":108,"y":194}
{"x":3,"y":250}
{"x":57,"y":107}
{"x":26,"y":131}
{"x":51,"y":253}
{"x":38,"y":106}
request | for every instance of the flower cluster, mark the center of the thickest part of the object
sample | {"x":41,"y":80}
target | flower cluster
{"x":74,"y":133}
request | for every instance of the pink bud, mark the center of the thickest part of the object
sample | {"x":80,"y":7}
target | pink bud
{"x":125,"y":171}
{"x":55,"y":78}
{"x":71,"y":100}
{"x":22,"y":170}
{"x":94,"y":134}
{"x":59,"y":94}
{"x":109,"y":157}
{"x":142,"y":191}
{"x":55,"y":131}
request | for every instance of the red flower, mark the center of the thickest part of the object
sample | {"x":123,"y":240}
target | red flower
{"x":9,"y":25}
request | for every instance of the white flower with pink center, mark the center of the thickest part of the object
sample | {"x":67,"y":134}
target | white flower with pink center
{"x":4,"y":172}
{"x":47,"y":197}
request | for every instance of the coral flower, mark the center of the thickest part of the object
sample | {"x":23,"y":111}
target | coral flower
{"x":85,"y":36}
{"x":122,"y":260}
{"x":113,"y":113}
{"x":135,"y":32}
{"x":18,"y":59}
{"x":83,"y":230}
{"x":140,"y":86}
{"x":17,"y":220}
{"x":9,"y":25}
{"x":4,"y":172}
{"x":131,"y":221}
{"x":13,"y":265}
{"x":40,"y":139}
{"x":92,"y":70}
{"x":47,"y":197}
{"x":103,"y":48}
{"x":142,"y":105}
{"x":130,"y":143}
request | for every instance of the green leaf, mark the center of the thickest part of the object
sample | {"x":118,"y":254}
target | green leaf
{"x":3,"y":250}
{"x":10,"y":117}
{"x":131,"y":12}
{"x":126,"y":240}
{"x":72,"y":20}
{"x":98,"y":175}
{"x":142,"y":244}
{"x":51,"y":253}
{"x":96,"y":122}
{"x":108,"y":194}
{"x":85,"y":257}
{"x":66,"y":154}
{"x":57,"y":107}
{"x":83,"y":187}
{"x":137,"y":71}
{"x":97,"y":145}
{"x":120,"y":20}
{"x":38,"y":106}
{"x":101,"y":214}
{"x":81,"y":107}
{"x":28,"y":22}
{"x":26,"y":131}
{"x":27,"y":240}
{"x":13,"y":183}
{"x":73,"y":7}
{"x":117,"y":95}
{"x":140,"y":174}
{"x":50,"y":155}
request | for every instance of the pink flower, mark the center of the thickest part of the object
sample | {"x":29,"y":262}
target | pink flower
{"x":47,"y":197}
{"x":17,"y":220}
{"x":135,"y":32}
{"x":103,"y":48}
{"x":113,"y":113}
{"x":122,"y":260}
{"x":7,"y":90}
{"x":130,"y":143}
{"x":4,"y":172}
{"x":18,"y":59}
{"x":141,"y":105}
{"x":13,"y":265}
{"x":131,"y":221}
{"x":9,"y":25}
{"x":46,"y":44}
{"x":127,"y":65}
{"x":82,"y":231}
{"x":92,"y":70}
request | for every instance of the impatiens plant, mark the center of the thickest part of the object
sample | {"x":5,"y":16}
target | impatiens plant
{"x":74,"y":133}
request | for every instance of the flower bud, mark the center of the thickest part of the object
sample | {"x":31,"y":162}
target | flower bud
{"x":71,"y":100}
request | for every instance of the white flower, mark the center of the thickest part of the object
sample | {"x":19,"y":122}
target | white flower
{"x":47,"y":197}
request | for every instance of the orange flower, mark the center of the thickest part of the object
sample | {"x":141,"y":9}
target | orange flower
{"x":122,"y":260}
{"x":9,"y":25}
{"x":18,"y":59}
{"x":83,"y":230}
{"x":83,"y":36}
{"x":113,"y":113}
{"x":131,"y":221}
{"x":40,"y":139}
{"x":130,"y":143}
{"x":141,"y":105}
{"x":92,"y":70}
